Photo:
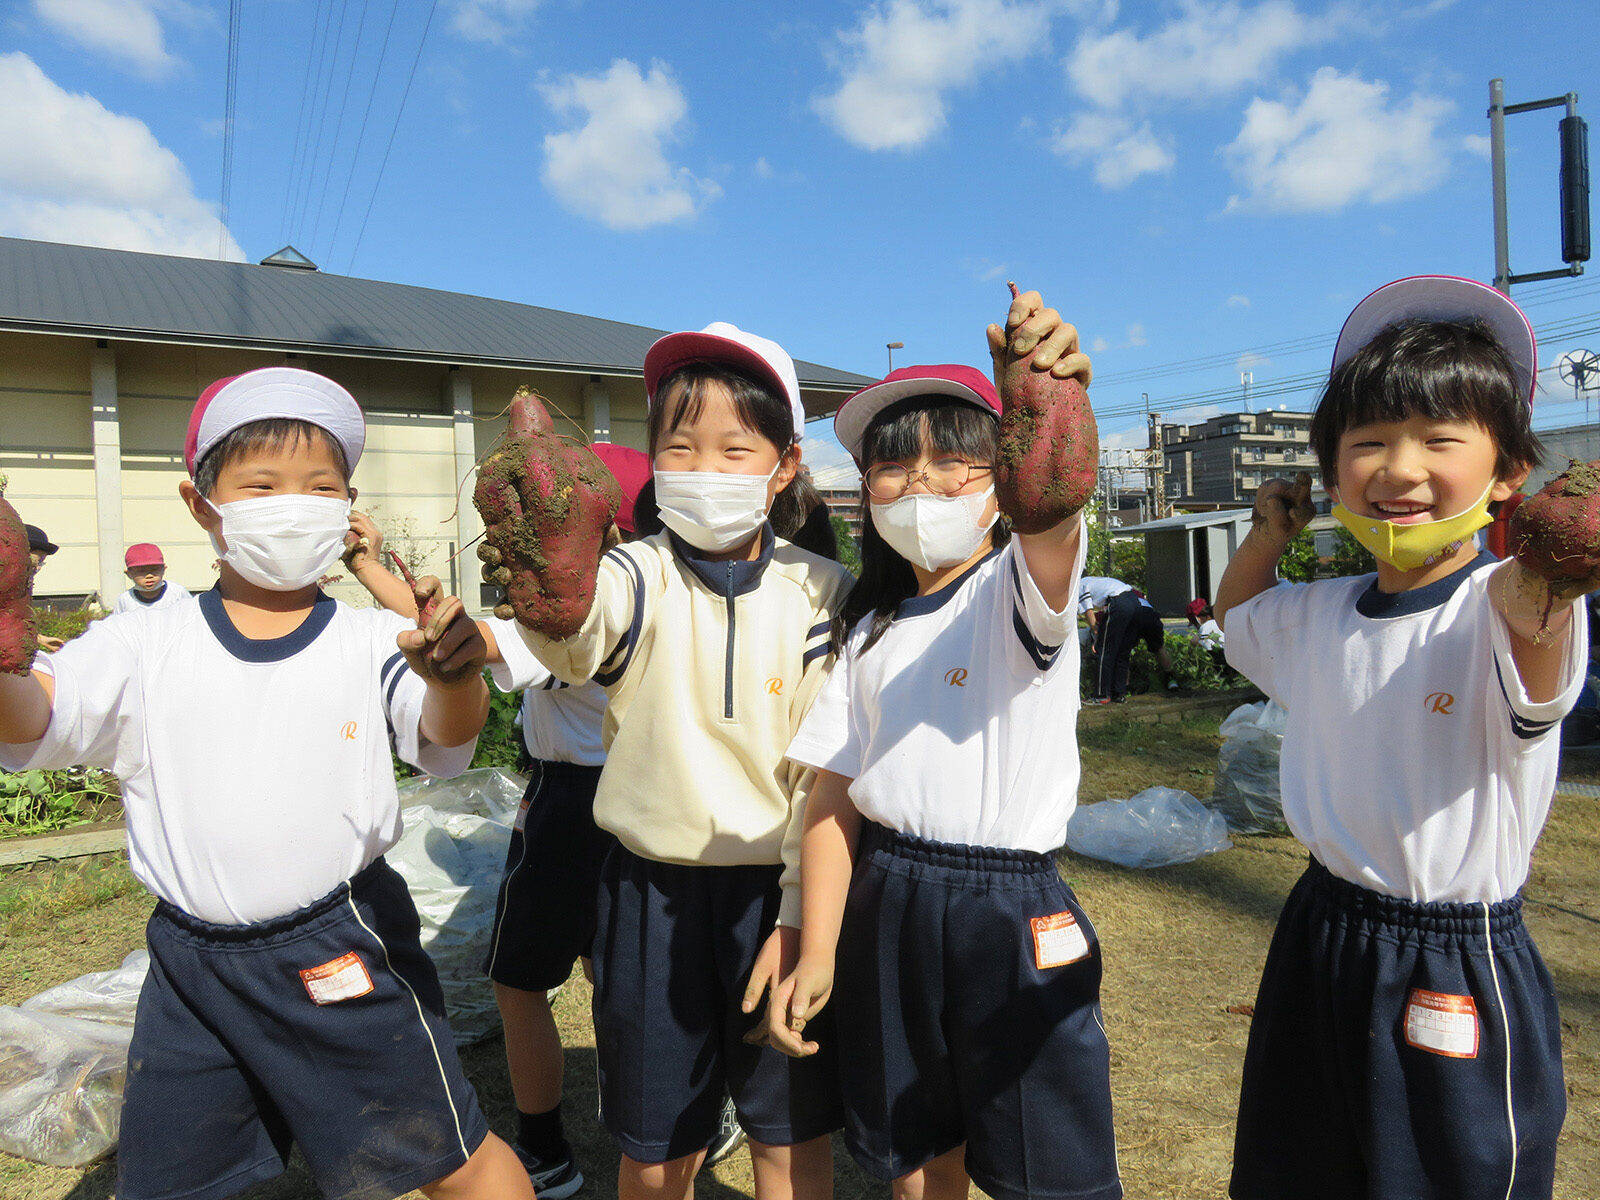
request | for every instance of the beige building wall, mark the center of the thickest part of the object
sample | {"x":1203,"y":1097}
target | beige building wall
{"x":408,"y":478}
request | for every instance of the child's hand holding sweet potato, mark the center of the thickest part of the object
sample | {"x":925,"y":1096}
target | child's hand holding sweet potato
{"x":546,"y":504}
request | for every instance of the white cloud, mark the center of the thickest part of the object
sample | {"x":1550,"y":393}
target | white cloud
{"x":1099,"y":346}
{"x":613,"y":167}
{"x":903,"y":58}
{"x":1237,"y":301}
{"x":1344,"y":142}
{"x":763,"y":169}
{"x":1210,"y":50}
{"x":128,"y":31}
{"x":494,"y":21}
{"x":1136,"y":335}
{"x":1119,"y":152}
{"x":72,"y":171}
{"x":1476,"y":144}
{"x":1249,"y":361}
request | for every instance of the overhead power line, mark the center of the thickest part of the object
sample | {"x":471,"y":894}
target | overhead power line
{"x":229,"y":105}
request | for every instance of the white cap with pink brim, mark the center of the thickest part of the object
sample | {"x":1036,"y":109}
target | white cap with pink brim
{"x":271,"y":393}
{"x":720,"y":342}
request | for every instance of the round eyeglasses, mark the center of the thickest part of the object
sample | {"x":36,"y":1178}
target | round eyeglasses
{"x":943,"y":476}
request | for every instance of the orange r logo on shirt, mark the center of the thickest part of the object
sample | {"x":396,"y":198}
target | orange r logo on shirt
{"x":1439,"y":702}
{"x":956,"y":677}
{"x":349,"y":731}
{"x":774,"y":686}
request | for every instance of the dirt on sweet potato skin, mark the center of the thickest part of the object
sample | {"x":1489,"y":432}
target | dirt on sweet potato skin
{"x":1556,"y":532}
{"x":19,"y":641}
{"x":546,"y":504}
{"x":1049,"y":456}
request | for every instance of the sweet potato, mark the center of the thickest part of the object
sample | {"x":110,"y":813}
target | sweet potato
{"x":546,"y":506}
{"x":1049,"y":456}
{"x":1556,"y":533}
{"x":19,"y":640}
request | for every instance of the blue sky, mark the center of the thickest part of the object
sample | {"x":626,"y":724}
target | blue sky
{"x":1203,"y":187}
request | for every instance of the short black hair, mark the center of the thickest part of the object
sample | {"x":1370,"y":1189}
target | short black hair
{"x":274,"y":433}
{"x":899,"y":432}
{"x":681,"y":396}
{"x":1440,"y":370}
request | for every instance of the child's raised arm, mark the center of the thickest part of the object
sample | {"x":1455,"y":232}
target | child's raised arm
{"x":1282,"y":510}
{"x":1049,"y":455}
{"x":1555,"y":538}
{"x":447,"y":652}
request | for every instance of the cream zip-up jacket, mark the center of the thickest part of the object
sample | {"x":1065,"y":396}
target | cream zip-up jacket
{"x":708,"y":669}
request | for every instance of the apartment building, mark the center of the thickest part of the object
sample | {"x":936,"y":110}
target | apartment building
{"x":1224,"y":459}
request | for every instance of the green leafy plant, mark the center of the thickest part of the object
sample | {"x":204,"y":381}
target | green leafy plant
{"x":1299,"y":561}
{"x":849,"y":548}
{"x":65,"y":624}
{"x":41,"y":801}
{"x":500,"y":743}
{"x":1349,"y":556}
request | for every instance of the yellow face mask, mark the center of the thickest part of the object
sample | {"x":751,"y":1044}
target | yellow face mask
{"x":1415,"y":545}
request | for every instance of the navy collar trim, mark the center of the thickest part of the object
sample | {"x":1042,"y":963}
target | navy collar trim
{"x":745,"y":575}
{"x":921,"y":606}
{"x":265,"y":650}
{"x":1385,"y":606}
{"x":140,"y":597}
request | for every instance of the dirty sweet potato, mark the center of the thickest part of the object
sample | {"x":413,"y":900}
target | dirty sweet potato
{"x":546,"y":505}
{"x":1049,"y":456}
{"x":1556,"y":533}
{"x":19,"y":640}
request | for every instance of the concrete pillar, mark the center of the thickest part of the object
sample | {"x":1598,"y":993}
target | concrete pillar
{"x":107,"y":442}
{"x":458,"y":398}
{"x":597,"y":407}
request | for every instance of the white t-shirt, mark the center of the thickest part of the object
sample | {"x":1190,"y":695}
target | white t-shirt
{"x":1414,"y":763}
{"x":255,"y":774}
{"x":960,"y":723}
{"x":560,"y":722}
{"x":1209,"y":635}
{"x":1095,"y":591}
{"x":170,"y":594}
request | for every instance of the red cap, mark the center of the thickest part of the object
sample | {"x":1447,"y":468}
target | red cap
{"x":632,"y":470}
{"x":945,"y":379}
{"x":143,"y":554}
{"x":1197,"y":606}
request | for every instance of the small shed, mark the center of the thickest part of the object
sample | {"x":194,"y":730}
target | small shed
{"x":1186,"y":554}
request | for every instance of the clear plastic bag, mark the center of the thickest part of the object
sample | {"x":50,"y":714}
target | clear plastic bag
{"x":1158,"y":827}
{"x":63,"y":1063}
{"x":451,"y":856}
{"x":1247,"y":791}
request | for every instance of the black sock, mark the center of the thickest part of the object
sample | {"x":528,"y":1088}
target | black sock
{"x":540,"y":1135}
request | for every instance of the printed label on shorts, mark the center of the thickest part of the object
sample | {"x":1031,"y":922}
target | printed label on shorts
{"x":1442,"y":1024}
{"x":344,"y":978}
{"x":1057,"y":941}
{"x":522,"y":816}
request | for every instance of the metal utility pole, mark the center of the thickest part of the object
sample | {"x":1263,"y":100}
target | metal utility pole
{"x":892,"y":347}
{"x":1574,"y":186}
{"x":1246,"y":381}
{"x":1158,"y":465}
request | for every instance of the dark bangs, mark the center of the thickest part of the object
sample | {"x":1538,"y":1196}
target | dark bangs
{"x":1437,"y":370}
{"x":681,"y":398}
{"x":948,"y":426}
{"x":271,"y":436}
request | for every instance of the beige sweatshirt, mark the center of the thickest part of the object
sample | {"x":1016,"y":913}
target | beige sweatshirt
{"x":708,"y":669}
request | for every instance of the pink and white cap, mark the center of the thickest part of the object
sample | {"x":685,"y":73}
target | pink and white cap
{"x":945,"y":379}
{"x":1443,"y":298}
{"x":270,"y":393}
{"x":720,"y":342}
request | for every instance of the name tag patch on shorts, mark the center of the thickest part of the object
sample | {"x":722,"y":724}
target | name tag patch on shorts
{"x":1057,"y":941}
{"x":344,"y":978}
{"x":1442,"y":1024}
{"x":522,"y":816}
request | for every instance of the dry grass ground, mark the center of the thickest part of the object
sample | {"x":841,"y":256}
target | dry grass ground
{"x":1183,"y":945}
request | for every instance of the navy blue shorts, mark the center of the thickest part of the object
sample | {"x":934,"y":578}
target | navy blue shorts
{"x":324,"y":1028}
{"x":1399,"y":1050}
{"x":544,"y":917}
{"x":968,"y":998}
{"x":673,"y":954}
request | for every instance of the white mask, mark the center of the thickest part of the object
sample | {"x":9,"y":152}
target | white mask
{"x":934,"y":531}
{"x":282,"y":543}
{"x":712,"y":510}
